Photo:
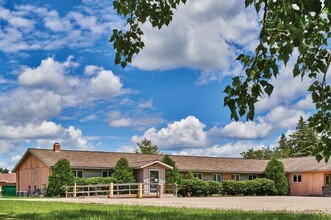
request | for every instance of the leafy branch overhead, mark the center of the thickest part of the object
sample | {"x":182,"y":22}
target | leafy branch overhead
{"x":296,"y":30}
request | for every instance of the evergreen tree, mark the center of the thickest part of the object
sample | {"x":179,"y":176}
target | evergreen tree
{"x":146,"y":147}
{"x":284,"y":150}
{"x":123,"y":173}
{"x":172,"y":176}
{"x":61,"y":176}
{"x":275,"y":171}
{"x":303,"y":140}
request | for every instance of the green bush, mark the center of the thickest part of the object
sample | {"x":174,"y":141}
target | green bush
{"x":193,"y":187}
{"x":275,"y":171}
{"x":61,"y":176}
{"x":260,"y":186}
{"x":123,"y":173}
{"x":214,"y":187}
{"x":94,"y":180}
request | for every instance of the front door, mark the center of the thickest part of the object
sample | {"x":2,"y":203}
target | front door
{"x":154,"y":179}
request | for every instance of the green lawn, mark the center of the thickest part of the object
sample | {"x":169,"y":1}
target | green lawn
{"x":10,"y":209}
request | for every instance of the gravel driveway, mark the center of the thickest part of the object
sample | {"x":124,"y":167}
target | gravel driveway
{"x":256,"y":203}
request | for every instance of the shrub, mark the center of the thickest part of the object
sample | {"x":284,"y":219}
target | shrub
{"x":260,"y":186}
{"x":275,"y":171}
{"x":123,"y":173}
{"x":172,"y":176}
{"x":214,"y":187}
{"x":193,"y":187}
{"x":61,"y":176}
{"x":94,"y":180}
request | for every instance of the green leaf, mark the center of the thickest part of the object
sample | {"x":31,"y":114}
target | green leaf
{"x":268,"y":89}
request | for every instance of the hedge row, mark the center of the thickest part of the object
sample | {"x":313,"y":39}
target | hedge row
{"x":94,"y":180}
{"x":197,"y":187}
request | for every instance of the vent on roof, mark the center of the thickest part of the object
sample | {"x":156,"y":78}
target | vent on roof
{"x":56,"y":147}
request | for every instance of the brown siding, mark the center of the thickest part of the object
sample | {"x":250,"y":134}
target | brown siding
{"x":32,"y":172}
{"x":311,"y":184}
{"x":226,"y":176}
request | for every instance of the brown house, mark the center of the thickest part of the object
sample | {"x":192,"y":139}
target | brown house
{"x":305,"y":175}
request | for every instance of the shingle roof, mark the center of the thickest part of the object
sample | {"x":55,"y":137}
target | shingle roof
{"x":7,"y":177}
{"x":107,"y":160}
{"x":305,"y":164}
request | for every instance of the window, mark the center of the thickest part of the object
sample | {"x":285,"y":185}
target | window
{"x":235,"y":177}
{"x":106,"y":173}
{"x":197,"y":175}
{"x":297,"y":178}
{"x":217,"y":177}
{"x":78,"y":173}
{"x":252,"y":176}
{"x":327,"y":180}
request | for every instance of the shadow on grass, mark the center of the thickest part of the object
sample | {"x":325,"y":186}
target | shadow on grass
{"x":154,"y":213}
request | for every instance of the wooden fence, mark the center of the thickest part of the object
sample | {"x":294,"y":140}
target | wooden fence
{"x":126,"y":190}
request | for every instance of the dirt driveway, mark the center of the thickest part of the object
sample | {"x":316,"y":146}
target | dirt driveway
{"x":258,"y":203}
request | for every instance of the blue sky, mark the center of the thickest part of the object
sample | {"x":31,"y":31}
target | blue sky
{"x":59,"y":82}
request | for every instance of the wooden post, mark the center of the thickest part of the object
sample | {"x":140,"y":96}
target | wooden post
{"x":111,"y":190}
{"x":140,"y":193}
{"x":175,"y":189}
{"x":158,"y":194}
{"x":75,"y":190}
{"x":66,"y":191}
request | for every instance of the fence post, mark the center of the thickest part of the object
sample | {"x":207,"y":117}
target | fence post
{"x":158,"y":194}
{"x":140,"y":193}
{"x":75,"y":190}
{"x":111,"y":190}
{"x":175,"y":189}
{"x":66,"y":191}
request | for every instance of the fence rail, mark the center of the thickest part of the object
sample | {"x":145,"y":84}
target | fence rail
{"x":112,"y":190}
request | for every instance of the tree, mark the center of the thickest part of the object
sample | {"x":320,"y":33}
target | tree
{"x":146,"y":147}
{"x":275,"y":171}
{"x":61,"y":176}
{"x":263,"y":154}
{"x":123,"y":173}
{"x":4,"y":170}
{"x":287,"y":26}
{"x":303,"y":140}
{"x":284,"y":150}
{"x":172,"y":176}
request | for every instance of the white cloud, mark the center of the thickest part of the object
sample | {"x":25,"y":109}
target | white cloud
{"x":243,"y":130}
{"x":30,"y":131}
{"x":146,"y":105}
{"x":282,"y":117}
{"x":227,"y":150}
{"x":49,"y":75}
{"x":199,"y":37}
{"x":116,"y":119}
{"x":15,"y":158}
{"x":105,"y":85}
{"x":188,"y":132}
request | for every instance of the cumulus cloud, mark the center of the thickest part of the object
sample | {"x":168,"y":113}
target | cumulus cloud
{"x":188,"y":132}
{"x":105,"y":85}
{"x":191,"y":40}
{"x":116,"y":119}
{"x":49,"y":75}
{"x":243,"y":130}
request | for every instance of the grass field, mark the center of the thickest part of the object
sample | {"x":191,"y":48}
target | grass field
{"x":10,"y":209}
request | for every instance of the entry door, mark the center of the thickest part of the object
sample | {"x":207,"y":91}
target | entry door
{"x":154,"y":179}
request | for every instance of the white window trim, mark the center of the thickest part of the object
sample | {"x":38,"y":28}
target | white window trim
{"x":297,"y":175}
{"x":235,"y":174}
{"x":108,"y":172}
{"x":219,"y":177}
{"x":78,"y":171}
{"x":252,"y":175}
{"x":196,"y":175}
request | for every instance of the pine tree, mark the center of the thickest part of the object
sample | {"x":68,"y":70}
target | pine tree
{"x":123,"y":173}
{"x":284,"y":150}
{"x":172,"y":176}
{"x":275,"y":171}
{"x":303,"y":140}
{"x":61,"y":176}
{"x":146,"y":147}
